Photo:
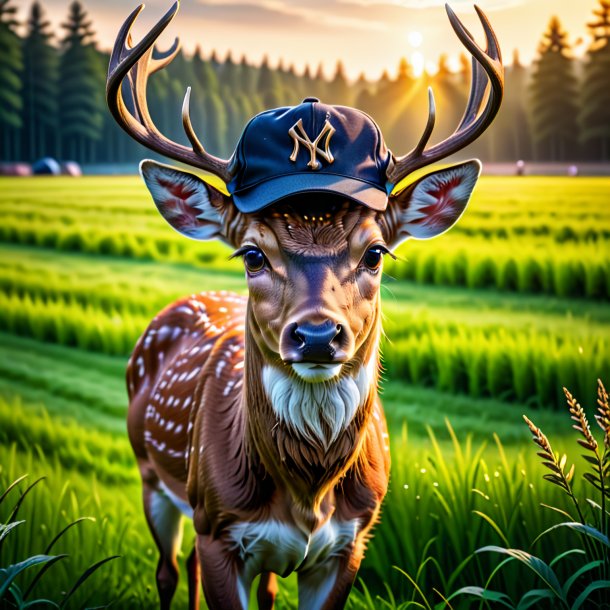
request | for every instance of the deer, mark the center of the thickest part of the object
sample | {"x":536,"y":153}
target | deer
{"x":259,"y":417}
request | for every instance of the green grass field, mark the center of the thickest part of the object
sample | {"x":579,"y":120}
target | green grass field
{"x":483,"y":324}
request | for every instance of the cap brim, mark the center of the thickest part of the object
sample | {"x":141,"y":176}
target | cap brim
{"x":271,"y":191}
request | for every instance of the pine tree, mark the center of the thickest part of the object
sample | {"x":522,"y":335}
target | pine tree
{"x":320,"y":84}
{"x":339,"y":91}
{"x":553,"y":97}
{"x":269,"y":85}
{"x":215,"y":135}
{"x":40,"y":63}
{"x":594,"y":108}
{"x":205,"y":73}
{"x":249,"y":77}
{"x":293,"y":85}
{"x":182,"y":70}
{"x":234,"y":123}
{"x":230,"y":74}
{"x":518,"y":133}
{"x":307,"y":86}
{"x":10,"y":83}
{"x":81,"y":78}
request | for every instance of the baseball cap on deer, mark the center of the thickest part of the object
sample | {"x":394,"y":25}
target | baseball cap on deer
{"x":309,"y":148}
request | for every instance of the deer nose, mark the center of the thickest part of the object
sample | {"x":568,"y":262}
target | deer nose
{"x":309,"y":342}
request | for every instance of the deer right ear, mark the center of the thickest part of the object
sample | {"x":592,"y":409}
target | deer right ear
{"x":190,"y":205}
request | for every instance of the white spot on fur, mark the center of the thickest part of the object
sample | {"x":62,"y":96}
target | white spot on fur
{"x":193,"y":373}
{"x":164,"y":332}
{"x":221,"y":365}
{"x":185,"y":309}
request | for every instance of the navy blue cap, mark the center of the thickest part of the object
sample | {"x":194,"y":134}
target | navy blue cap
{"x":309,"y":148}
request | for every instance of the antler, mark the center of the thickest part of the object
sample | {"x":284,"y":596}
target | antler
{"x":486,"y":65}
{"x":137,"y":64}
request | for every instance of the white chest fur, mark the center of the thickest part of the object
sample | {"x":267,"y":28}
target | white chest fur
{"x":319,"y":412}
{"x":273,"y":546}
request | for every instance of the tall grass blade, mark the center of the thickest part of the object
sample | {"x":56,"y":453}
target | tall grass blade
{"x":6,"y":529}
{"x":535,"y":564}
{"x":63,"y":531}
{"x":84,"y":576}
{"x":594,"y":586}
{"x":533,"y":597}
{"x":15,"y":510}
{"x":587,"y":530}
{"x":496,"y":528}
{"x":415,"y":586}
{"x":567,"y":553}
{"x":486,"y":595}
{"x":592,"y":565}
{"x":41,"y":572}
{"x":11,"y":486}
{"x":13,"y":571}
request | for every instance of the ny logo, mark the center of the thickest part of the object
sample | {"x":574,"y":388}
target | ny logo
{"x":298,"y":134}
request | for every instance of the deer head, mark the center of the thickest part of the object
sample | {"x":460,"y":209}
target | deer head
{"x":312,"y":209}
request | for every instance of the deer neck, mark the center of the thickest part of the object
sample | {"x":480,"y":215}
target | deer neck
{"x":307,"y":435}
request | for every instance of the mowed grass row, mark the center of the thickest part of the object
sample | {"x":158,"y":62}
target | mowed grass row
{"x":90,"y":387}
{"x":572,"y":270}
{"x":516,"y":366}
{"x":127,"y":239}
{"x":502,"y":349}
{"x":561,"y":209}
{"x":145,"y":287}
{"x":523,"y":366}
{"x":531,"y":266}
{"x":551,"y":241}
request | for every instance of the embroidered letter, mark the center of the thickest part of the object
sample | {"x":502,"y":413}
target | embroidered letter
{"x":298,"y":134}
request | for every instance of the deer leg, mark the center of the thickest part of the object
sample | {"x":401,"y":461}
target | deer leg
{"x":165,"y":523}
{"x":327,"y":585}
{"x":267,"y":590}
{"x":194,"y":579}
{"x":223,"y":585}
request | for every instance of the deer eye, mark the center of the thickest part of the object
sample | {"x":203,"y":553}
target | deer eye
{"x":373,"y":257}
{"x":254,"y":260}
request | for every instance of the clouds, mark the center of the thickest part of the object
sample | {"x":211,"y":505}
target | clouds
{"x":284,"y":13}
{"x":368,"y":35}
{"x":488,"y":5}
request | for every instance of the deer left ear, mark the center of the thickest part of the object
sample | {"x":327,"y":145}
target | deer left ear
{"x":190,"y":205}
{"x":433,"y":204}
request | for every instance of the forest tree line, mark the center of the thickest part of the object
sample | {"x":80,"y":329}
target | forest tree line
{"x":52,"y":96}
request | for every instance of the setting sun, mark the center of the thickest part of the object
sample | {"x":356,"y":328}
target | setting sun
{"x":415,"y":39}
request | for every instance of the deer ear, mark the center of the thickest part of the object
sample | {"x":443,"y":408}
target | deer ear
{"x":433,"y":204}
{"x":190,"y":205}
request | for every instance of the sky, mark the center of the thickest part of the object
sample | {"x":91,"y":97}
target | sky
{"x":367,"y":35}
